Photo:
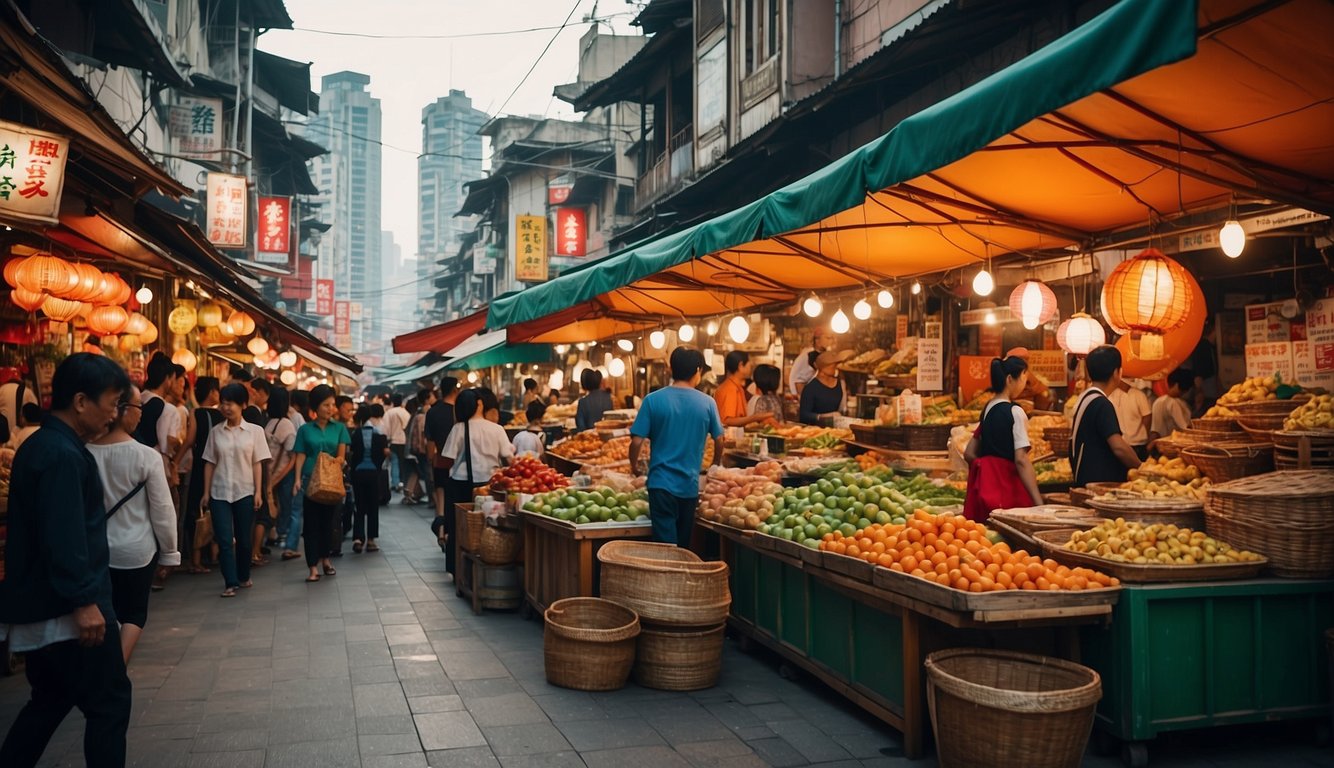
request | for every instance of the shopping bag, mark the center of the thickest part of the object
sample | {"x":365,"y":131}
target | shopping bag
{"x":203,"y":529}
{"x":326,"y":482}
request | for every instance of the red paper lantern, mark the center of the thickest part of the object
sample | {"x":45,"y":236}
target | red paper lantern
{"x":60,"y":309}
{"x":26,"y":299}
{"x":44,"y":273}
{"x":1033,"y":303}
{"x":109,"y":320}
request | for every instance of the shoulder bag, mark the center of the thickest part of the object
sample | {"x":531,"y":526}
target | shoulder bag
{"x":326,"y":481}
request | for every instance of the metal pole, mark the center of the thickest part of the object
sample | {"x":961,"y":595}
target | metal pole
{"x":250,"y":107}
{"x":236,"y":106}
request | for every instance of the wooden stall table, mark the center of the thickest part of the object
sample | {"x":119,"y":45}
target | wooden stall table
{"x":560,"y":556}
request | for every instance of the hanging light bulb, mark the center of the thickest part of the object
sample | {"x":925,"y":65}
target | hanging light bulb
{"x":989,"y":318}
{"x":616,"y":367}
{"x":562,"y":349}
{"x":812,"y":306}
{"x":686,"y":332}
{"x":738,"y":328}
{"x":144,"y":295}
{"x":983,"y":285}
{"x":711,"y":328}
{"x":840,"y":323}
{"x":862,"y":310}
{"x":472,"y":377}
{"x":657,"y":339}
{"x":288,"y":378}
{"x":916,"y":287}
{"x":1232,"y":238}
{"x":885,"y":299}
{"x":626,"y":345}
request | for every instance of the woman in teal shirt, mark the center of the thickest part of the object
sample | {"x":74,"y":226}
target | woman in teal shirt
{"x":323,"y":435}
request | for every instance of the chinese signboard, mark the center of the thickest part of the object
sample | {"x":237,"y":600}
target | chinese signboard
{"x":196,"y":124}
{"x":483,"y":260}
{"x":324,"y":302}
{"x":571,"y":232}
{"x":900,"y":329}
{"x":1320,"y":334}
{"x":974,"y":375}
{"x":355,"y":312}
{"x":1265,"y":322}
{"x":342,"y":318}
{"x":530,"y":249}
{"x":558,"y":190}
{"x":227,"y":206}
{"x":1269,"y":358}
{"x":32,"y":172}
{"x":930,"y":359}
{"x":275,"y":226}
{"x":1049,"y":364}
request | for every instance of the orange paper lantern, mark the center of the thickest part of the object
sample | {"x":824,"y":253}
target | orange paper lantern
{"x":1033,"y":303}
{"x":60,"y":309}
{"x":89,"y":284}
{"x":1177,"y":345}
{"x":137,"y":324}
{"x":105,"y":321}
{"x":44,"y":273}
{"x":130,"y":343}
{"x":26,"y":299}
{"x":185,"y":358}
{"x":117,"y":292}
{"x":149,"y":335}
{"x":210,"y":314}
{"x":242,"y":324}
{"x":1148,"y":294}
{"x":11,"y":271}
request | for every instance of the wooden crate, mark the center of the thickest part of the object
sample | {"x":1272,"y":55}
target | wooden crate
{"x":560,"y":557}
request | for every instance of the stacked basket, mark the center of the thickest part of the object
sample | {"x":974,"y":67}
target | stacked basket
{"x":682,"y":603}
{"x":1286,"y":516}
{"x":589,"y":644}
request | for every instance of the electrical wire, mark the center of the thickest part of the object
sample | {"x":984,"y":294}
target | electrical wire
{"x":540,"y":56}
{"x":459,"y":35}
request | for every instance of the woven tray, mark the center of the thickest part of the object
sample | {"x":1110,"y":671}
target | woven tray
{"x":1223,"y":463}
{"x":1030,"y":520}
{"x":1052,"y":543}
{"x":1183,"y":513}
{"x":1080,"y":495}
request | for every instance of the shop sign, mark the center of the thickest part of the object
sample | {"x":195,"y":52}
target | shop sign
{"x":483,"y":260}
{"x":342,"y":318}
{"x":1270,"y":358}
{"x":530,"y":249}
{"x":930,"y":359}
{"x":227,"y":206}
{"x":1290,"y":217}
{"x":900,"y":329}
{"x":275,"y":227}
{"x":356,"y":310}
{"x":32,"y":172}
{"x":1320,"y":334}
{"x":324,"y":293}
{"x":974,"y":375}
{"x":1305,"y":367}
{"x":196,"y":125}
{"x":571,"y":232}
{"x":1265,"y":322}
{"x":1049,"y":364}
{"x":979,"y":316}
{"x":559,"y":189}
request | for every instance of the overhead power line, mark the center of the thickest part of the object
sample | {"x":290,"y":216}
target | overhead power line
{"x":457,"y":35}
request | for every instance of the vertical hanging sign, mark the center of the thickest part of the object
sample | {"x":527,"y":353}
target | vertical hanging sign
{"x":558,"y":189}
{"x":32,"y":172}
{"x":227,"y":210}
{"x":342,"y":324}
{"x":196,"y":125}
{"x":530,"y":249}
{"x":571,"y":232}
{"x":275,"y":227}
{"x":324,"y":293}
{"x":930,"y":359}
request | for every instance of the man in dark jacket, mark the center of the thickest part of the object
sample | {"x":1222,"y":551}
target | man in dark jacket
{"x":55,"y":601}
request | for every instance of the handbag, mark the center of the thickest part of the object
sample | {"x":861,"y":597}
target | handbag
{"x":326,"y":481}
{"x":203,"y":529}
{"x":385,"y":495}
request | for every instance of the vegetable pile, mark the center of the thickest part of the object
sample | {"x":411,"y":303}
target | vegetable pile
{"x":527,"y":475}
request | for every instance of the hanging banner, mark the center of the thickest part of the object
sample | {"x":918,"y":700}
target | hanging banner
{"x":324,"y":293}
{"x":227,"y":206}
{"x":900,"y":329}
{"x":196,"y":126}
{"x":275,"y":227}
{"x":930,"y":359}
{"x":559,"y":189}
{"x":530,"y":249}
{"x":32,"y":172}
{"x":342,"y":318}
{"x":1291,"y":217}
{"x":571,"y":232}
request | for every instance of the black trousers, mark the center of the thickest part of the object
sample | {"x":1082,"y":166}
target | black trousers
{"x":366,"y":494}
{"x":456,"y":492}
{"x":64,"y":676}
{"x":318,"y":530}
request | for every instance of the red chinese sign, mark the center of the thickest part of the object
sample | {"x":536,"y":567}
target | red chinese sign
{"x":275,"y":226}
{"x":32,"y":172}
{"x":324,"y":301}
{"x":227,"y":206}
{"x":342,"y":318}
{"x":559,"y":189}
{"x":571,"y":232}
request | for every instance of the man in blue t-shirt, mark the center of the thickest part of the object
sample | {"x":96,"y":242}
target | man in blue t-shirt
{"x":676,"y":420}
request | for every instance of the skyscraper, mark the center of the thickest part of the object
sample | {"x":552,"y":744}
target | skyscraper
{"x":451,"y":156}
{"x":349,"y":182}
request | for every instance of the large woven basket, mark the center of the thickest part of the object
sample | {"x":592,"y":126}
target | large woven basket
{"x":1266,"y":415}
{"x":1215,"y":424}
{"x":474,"y":520}
{"x":1059,"y":440}
{"x":1183,"y":513}
{"x":1000,"y":709}
{"x":1286,"y":516}
{"x":589,"y":643}
{"x":673,"y":660}
{"x":926,"y":437}
{"x":1223,"y":463}
{"x":1080,"y":495}
{"x":664,"y":584}
{"x":497,"y":546}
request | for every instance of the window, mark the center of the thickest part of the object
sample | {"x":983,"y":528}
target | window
{"x":761,"y":32}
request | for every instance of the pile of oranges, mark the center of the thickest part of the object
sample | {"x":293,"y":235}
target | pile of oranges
{"x":954,"y":552}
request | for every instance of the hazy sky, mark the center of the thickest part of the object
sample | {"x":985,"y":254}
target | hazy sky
{"x":408,"y":74}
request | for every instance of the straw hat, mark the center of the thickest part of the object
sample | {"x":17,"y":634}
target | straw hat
{"x":832,"y":358}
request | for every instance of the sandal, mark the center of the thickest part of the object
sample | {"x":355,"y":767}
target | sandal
{"x":259,"y":562}
{"x":357,"y":546}
{"x":247,"y":584}
{"x":228,"y":592}
{"x":372,"y":547}
{"x":289,"y":555}
{"x":198,"y":569}
{"x":311,"y":579}
{"x":330,"y":571}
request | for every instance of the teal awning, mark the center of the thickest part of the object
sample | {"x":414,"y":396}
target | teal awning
{"x":1131,"y":38}
{"x":502,"y":354}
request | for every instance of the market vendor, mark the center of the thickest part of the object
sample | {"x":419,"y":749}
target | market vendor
{"x":825,"y":396}
{"x":803,"y":368}
{"x":1098,"y":452}
{"x":731,"y":395}
{"x":1000,"y":473}
{"x":1036,"y":390}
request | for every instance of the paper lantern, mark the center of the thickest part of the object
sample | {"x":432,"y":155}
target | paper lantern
{"x":1177,"y":345}
{"x":118,"y":291}
{"x":1033,"y":303}
{"x":144,"y":295}
{"x":862,"y":310}
{"x":616,"y":367}
{"x":11,"y":271}
{"x":812,"y":306}
{"x":1080,"y":334}
{"x":738,"y":328}
{"x":131,"y":343}
{"x":26,"y":299}
{"x":840,"y":323}
{"x":60,"y":309}
{"x":149,"y":335}
{"x":210,"y":315}
{"x":105,"y":321}
{"x":44,"y":273}
{"x":137,"y":324}
{"x":88,"y":284}
{"x":185,"y":358}
{"x":182,"y":319}
{"x":885,"y":299}
{"x":288,"y":378}
{"x":657,"y":339}
{"x":287,"y":359}
{"x":257,"y":346}
{"x":685,"y":333}
{"x":241,"y":323}
{"x":1147,"y":294}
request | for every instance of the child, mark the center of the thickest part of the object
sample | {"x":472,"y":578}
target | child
{"x":529,"y":442}
{"x":767,"y":380}
{"x":1171,"y":411}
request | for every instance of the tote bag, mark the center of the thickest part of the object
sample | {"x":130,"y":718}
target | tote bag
{"x":326,"y":482}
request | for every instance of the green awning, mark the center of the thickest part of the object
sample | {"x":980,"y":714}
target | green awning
{"x":1131,"y":38}
{"x":502,"y":354}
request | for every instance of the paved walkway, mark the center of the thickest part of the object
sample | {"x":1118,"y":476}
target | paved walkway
{"x":382,"y":666}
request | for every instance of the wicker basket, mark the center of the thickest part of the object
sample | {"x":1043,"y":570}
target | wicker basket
{"x":1080,"y":495}
{"x":1215,"y":424}
{"x":497,"y":546}
{"x":1266,"y":415}
{"x":474,"y":521}
{"x":1059,"y":440}
{"x":1286,"y":516}
{"x":1017,"y":709}
{"x":926,"y":437}
{"x":1223,"y":463}
{"x":1183,"y":514}
{"x":589,"y":643}
{"x":664,"y":584}
{"x":672,"y":660}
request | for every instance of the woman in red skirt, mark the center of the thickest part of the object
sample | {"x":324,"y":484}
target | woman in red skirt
{"x":1000,"y":474}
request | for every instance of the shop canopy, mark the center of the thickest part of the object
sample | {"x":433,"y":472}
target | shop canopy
{"x":588,"y":320}
{"x":1151,"y":110}
{"x":490,"y":349}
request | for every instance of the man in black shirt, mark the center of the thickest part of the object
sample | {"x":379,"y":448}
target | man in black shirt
{"x":259,"y":402}
{"x":439,"y":420}
{"x":1099,"y":453}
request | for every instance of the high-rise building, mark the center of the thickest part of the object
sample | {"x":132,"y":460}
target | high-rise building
{"x":451,"y":156}
{"x":349,"y":182}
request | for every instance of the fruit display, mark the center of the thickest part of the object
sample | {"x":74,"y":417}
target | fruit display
{"x":814,"y":438}
{"x":579,"y":446}
{"x":901,"y":363}
{"x":592,"y":505}
{"x":1054,"y":472}
{"x":1169,"y":469}
{"x":560,"y":412}
{"x":955,"y":552}
{"x":1149,"y":487}
{"x":943,"y":410}
{"x":1156,"y":544}
{"x":741,"y":498}
{"x":866,"y":361}
{"x":1037,"y":433}
{"x":614,"y":451}
{"x":852,"y":502}
{"x":527,"y":475}
{"x":1220,"y":412}
{"x":1253,"y":390}
{"x":1316,"y":413}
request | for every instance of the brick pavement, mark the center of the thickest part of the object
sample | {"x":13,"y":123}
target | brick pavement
{"x":382,"y":666}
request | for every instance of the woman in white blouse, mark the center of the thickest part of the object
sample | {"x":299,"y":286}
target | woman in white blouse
{"x":142,"y":522}
{"x":475,"y":448}
{"x":234,"y":486}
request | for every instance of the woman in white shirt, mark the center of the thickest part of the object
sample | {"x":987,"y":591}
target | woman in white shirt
{"x":281,"y":435}
{"x":475,"y":448}
{"x":532,"y":441}
{"x":233,"y":486}
{"x":141,"y":526}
